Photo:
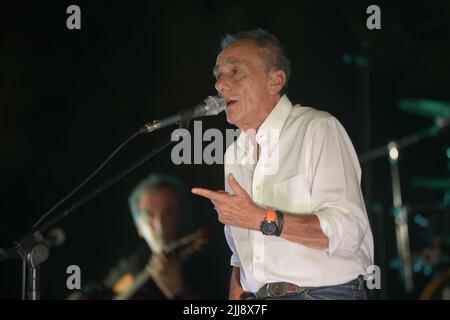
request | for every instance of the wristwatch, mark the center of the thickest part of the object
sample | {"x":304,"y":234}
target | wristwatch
{"x":272,"y":225}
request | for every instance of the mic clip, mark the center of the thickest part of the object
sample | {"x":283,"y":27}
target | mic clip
{"x":150,"y":127}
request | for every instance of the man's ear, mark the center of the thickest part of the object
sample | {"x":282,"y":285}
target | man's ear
{"x":277,"y":80}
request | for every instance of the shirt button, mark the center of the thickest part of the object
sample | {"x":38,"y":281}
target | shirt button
{"x":259,"y":137}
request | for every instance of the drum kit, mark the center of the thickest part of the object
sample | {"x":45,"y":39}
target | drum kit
{"x":422,"y":231}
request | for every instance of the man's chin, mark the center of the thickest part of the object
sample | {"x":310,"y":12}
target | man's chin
{"x":155,"y":246}
{"x":229,"y":120}
{"x":231,"y":116}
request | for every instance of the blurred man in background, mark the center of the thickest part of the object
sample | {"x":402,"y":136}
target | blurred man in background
{"x":178,"y":261}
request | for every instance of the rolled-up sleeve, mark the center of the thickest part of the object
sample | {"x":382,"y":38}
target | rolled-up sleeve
{"x":334,"y":175}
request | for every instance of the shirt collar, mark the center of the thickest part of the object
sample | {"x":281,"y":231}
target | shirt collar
{"x":270,"y":128}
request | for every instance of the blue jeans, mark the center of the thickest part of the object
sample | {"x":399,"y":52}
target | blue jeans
{"x":353,"y":290}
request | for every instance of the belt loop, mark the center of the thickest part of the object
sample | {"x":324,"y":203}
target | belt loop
{"x":360,"y":282}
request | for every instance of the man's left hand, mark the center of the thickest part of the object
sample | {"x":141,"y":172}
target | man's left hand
{"x":238,"y":209}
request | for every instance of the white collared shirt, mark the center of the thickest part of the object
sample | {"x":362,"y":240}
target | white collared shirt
{"x":307,"y":165}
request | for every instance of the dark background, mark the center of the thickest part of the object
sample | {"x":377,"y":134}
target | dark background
{"x":69,"y":97}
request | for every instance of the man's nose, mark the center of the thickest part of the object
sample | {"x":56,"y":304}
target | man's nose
{"x":223,"y":85}
{"x":154,"y":222}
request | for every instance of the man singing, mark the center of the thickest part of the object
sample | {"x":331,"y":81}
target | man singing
{"x":293,"y":208}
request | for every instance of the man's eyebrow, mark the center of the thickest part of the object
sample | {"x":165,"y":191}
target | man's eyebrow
{"x":215,"y":69}
{"x":229,"y":61}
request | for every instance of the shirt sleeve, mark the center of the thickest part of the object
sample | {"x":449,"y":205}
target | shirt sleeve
{"x":334,"y":175}
{"x":234,"y":261}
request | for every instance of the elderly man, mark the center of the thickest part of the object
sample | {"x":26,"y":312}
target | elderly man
{"x":293,"y":209}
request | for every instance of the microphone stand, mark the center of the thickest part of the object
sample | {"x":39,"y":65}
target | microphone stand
{"x":32,"y":249}
{"x":404,"y":142}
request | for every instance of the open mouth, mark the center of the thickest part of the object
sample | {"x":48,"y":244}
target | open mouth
{"x":230,"y":102}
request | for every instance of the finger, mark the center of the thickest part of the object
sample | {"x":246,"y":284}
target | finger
{"x":216,"y":202}
{"x":158,"y":257}
{"x":212,"y":195}
{"x":162,"y":259}
{"x":156,"y":264}
{"x":229,"y":202}
{"x":238,"y":190}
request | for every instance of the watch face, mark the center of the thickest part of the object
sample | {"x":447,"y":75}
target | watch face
{"x":269,"y":228}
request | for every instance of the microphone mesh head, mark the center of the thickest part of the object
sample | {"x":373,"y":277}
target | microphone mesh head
{"x":215,"y":105}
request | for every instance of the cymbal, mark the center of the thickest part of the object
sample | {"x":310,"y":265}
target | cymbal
{"x":427,"y":108}
{"x":431,"y":183}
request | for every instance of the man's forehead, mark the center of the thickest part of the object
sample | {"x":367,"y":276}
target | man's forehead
{"x":241,"y":51}
{"x":237,"y":49}
{"x":225,"y":61}
{"x":230,"y":60}
{"x":157,"y":196}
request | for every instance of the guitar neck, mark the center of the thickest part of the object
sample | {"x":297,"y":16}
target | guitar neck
{"x":141,"y":279}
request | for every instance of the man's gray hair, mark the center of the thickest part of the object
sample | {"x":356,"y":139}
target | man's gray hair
{"x":274,"y":51}
{"x":158,"y":181}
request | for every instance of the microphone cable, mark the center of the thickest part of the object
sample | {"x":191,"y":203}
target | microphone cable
{"x":96,"y":171}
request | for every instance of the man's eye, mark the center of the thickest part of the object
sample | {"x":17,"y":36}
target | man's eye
{"x":235,"y":71}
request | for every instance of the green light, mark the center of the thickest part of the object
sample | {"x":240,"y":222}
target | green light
{"x":364,"y":44}
{"x":421,"y":220}
{"x":423,"y":107}
{"x":448,"y":152}
{"x":377,"y":207}
{"x":396,"y":212}
{"x":394,"y":264}
{"x":430,"y":183}
{"x":346,"y":58}
{"x":361,"y":61}
{"x":417,"y":267}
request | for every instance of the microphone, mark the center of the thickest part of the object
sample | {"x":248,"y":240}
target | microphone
{"x":211,"y":106}
{"x":56,"y":237}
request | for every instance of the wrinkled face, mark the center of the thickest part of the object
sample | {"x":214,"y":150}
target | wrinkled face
{"x":160,"y":218}
{"x":243,"y":80}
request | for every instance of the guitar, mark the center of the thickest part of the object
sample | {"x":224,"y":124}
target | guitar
{"x":128,"y":285}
